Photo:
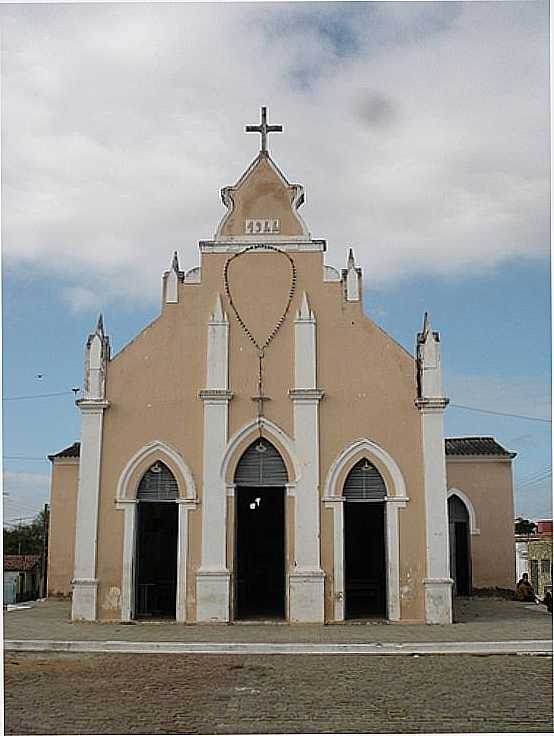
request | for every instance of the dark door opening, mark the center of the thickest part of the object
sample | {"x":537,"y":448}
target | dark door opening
{"x":260,"y":553}
{"x":156,"y":560}
{"x":460,"y":550}
{"x":364,"y":553}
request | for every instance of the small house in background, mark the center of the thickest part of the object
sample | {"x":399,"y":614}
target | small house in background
{"x":534,"y":556}
{"x":22,"y":577}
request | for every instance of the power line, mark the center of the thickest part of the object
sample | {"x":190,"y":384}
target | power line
{"x":533,"y":476}
{"x":536,"y":482}
{"x":501,"y":413}
{"x":24,"y":457}
{"x":36,"y":396}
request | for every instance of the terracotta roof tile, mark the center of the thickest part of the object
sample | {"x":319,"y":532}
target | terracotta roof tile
{"x":73,"y":450}
{"x":472,"y":446}
{"x":21,"y":563}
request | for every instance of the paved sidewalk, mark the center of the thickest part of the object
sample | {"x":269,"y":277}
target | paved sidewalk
{"x":476,"y":620}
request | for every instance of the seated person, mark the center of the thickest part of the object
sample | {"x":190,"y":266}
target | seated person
{"x":547,"y":600}
{"x":524,"y":590}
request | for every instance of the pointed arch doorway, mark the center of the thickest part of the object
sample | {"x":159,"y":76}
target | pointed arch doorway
{"x":260,"y":492}
{"x":156,"y":544}
{"x":364,"y":542}
{"x":460,"y":547}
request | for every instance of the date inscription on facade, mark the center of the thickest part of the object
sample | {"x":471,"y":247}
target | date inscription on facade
{"x":261,"y":227}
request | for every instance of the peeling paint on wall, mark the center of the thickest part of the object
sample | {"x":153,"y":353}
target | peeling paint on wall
{"x":112,"y":598}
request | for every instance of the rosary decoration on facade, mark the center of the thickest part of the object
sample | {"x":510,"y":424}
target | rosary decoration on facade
{"x":260,"y":348}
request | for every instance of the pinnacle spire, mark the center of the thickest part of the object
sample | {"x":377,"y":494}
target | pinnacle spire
{"x":426,"y":324}
{"x":100,"y":325}
{"x":304,"y":311}
{"x":175,"y":262}
{"x":351,"y":262}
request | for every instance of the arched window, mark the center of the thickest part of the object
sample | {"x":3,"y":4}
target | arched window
{"x":261,"y":465}
{"x":364,"y":482}
{"x":158,"y":484}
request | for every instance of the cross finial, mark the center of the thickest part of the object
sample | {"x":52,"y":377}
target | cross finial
{"x":264,"y":129}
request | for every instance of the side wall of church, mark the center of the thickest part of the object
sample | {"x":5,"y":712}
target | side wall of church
{"x":368,"y":380}
{"x":61,"y":533}
{"x":488,"y":484}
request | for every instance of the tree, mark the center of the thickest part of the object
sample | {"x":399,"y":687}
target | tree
{"x":524,"y":526}
{"x":25,"y":539}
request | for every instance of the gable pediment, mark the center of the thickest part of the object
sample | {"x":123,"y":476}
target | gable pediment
{"x":262,"y":203}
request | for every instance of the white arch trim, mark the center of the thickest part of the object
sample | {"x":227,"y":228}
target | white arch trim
{"x":396,"y":499}
{"x":270,"y":430}
{"x":372,"y":449}
{"x":474,"y":529}
{"x":185,"y":503}
{"x":156,"y":448}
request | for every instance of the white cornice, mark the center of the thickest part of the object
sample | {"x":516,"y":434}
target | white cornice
{"x":216,"y":395}
{"x":234,"y":244}
{"x":306,"y":394}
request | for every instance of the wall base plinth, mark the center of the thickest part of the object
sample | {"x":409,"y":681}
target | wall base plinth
{"x":306,"y":596}
{"x":438,"y":600}
{"x":83,"y":603}
{"x":212,"y":596}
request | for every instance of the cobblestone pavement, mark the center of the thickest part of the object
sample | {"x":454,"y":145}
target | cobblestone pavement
{"x":477,"y":619}
{"x":210,"y":694}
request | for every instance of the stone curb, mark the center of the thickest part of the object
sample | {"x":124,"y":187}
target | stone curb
{"x":529,"y":647}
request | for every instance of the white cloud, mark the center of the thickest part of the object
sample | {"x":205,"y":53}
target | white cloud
{"x":24,"y":495}
{"x":419,"y":130}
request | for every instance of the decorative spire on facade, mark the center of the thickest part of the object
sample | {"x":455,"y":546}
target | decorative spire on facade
{"x":429,"y":369}
{"x":97,"y":354}
{"x":218,"y":315}
{"x":171,"y":279}
{"x":304,"y":313}
{"x":351,"y":276}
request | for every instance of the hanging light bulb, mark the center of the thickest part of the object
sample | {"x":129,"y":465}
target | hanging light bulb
{"x":260,"y":447}
{"x":156,"y":468}
{"x":366,"y":466}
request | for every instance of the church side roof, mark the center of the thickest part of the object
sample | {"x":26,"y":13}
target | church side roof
{"x":472,"y":446}
{"x":73,"y":450}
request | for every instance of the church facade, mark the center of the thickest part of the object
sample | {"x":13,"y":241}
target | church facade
{"x":264,"y":450}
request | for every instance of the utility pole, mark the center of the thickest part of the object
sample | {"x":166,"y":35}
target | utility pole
{"x":44,"y":560}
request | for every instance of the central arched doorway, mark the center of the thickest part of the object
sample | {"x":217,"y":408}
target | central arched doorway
{"x":260,"y":483}
{"x":460,"y":549}
{"x":364,"y":542}
{"x":156,"y":544}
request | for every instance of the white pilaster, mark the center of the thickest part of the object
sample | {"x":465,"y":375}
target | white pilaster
{"x":336,"y":504}
{"x":393,"y":556}
{"x":431,"y":403}
{"x":212,"y":579}
{"x":92,"y":406}
{"x":129,"y":507}
{"x":184,"y":506}
{"x":85,"y":583}
{"x":306,"y":579}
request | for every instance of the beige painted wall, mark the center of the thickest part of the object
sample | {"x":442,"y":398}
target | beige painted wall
{"x":153,"y":389}
{"x":368,"y":379}
{"x":488,"y":483}
{"x":264,"y":195}
{"x":61,"y":534}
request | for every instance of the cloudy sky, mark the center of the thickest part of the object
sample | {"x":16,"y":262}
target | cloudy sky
{"x":419,"y":130}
